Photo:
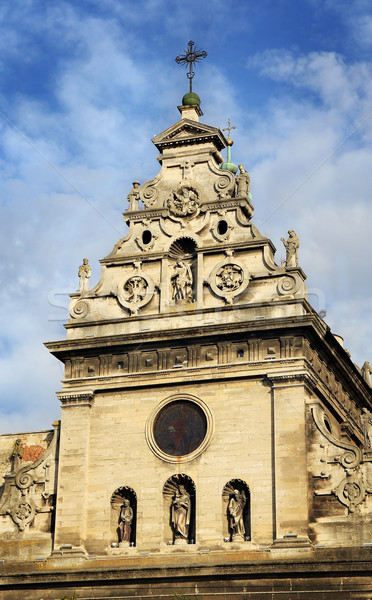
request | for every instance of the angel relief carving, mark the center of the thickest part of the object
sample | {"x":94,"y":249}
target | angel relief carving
{"x":181,"y":281}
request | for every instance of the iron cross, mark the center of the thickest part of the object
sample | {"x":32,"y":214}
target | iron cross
{"x":191,"y":56}
{"x":229,"y":128}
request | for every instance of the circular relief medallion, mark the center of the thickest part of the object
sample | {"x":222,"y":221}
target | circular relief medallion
{"x":184,"y":202}
{"x":179,"y":429}
{"x":135,"y":289}
{"x":229,"y":278}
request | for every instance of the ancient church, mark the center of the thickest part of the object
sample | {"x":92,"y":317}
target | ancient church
{"x":215,"y":437}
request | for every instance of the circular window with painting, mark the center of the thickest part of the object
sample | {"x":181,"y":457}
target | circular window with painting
{"x":179,"y":429}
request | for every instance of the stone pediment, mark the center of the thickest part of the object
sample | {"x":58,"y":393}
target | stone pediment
{"x":188,"y":131}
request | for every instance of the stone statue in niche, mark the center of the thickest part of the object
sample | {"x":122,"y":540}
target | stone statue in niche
{"x":229,"y":278}
{"x":125,"y":522}
{"x":84,"y":274}
{"x":366,"y":372}
{"x":243,"y":183}
{"x":136,"y":288}
{"x":180,"y":515}
{"x":184,"y":201}
{"x":133,"y":196}
{"x":16,"y":455}
{"x":291,"y":245}
{"x":235,"y":510}
{"x":181,"y":281}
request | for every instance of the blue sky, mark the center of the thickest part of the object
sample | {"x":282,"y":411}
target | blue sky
{"x":85,"y":85}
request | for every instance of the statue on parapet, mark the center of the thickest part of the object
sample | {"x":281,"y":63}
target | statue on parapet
{"x":366,"y":422}
{"x":291,"y":245}
{"x":243,"y":184}
{"x":366,"y":372}
{"x":133,"y":196}
{"x":16,"y":455}
{"x":84,"y":274}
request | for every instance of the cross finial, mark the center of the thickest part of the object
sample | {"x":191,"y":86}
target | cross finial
{"x":190,"y":58}
{"x":229,"y":128}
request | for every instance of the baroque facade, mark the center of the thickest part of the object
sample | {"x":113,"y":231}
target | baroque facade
{"x":215,"y":436}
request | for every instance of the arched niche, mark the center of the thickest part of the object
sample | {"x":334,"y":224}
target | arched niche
{"x":236,"y":510}
{"x":183,"y":275}
{"x":123,"y":524}
{"x":179,"y":510}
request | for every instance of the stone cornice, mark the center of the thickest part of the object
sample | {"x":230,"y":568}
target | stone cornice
{"x":81,"y":398}
{"x":290,"y":323}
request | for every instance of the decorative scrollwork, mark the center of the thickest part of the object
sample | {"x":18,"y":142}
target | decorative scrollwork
{"x":149,"y":192}
{"x":225,"y":182}
{"x":353,"y":455}
{"x":80,"y":309}
{"x":23,"y":480}
{"x":287,"y":285}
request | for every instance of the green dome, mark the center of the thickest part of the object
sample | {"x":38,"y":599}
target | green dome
{"x":190,"y":98}
{"x":229,"y":166}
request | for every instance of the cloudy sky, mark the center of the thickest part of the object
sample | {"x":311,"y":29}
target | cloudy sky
{"x":86,"y":84}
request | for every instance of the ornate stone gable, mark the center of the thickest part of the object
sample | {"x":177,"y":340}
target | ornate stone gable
{"x":188,"y":131}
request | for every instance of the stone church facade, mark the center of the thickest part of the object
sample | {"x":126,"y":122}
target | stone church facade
{"x":215,"y":436}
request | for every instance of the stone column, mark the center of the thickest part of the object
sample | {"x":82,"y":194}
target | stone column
{"x":290,"y":472}
{"x":73,"y":469}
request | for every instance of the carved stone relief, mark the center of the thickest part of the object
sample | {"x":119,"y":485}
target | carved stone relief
{"x":182,"y":282}
{"x":229,"y":278}
{"x":27,"y":489}
{"x":351,"y":489}
{"x":136,"y":291}
{"x":287,"y":285}
{"x":79,"y":309}
{"x":184,"y":201}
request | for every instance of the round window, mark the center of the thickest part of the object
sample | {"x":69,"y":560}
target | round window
{"x":179,"y":429}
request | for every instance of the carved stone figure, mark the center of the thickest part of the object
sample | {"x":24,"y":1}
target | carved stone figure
{"x":235,"y":514}
{"x":184,"y":201}
{"x":16,"y":455}
{"x":181,"y":281}
{"x":229,"y":278}
{"x":291,"y":245}
{"x":243,"y":183}
{"x":84,"y":274}
{"x":366,"y":372}
{"x":133,"y":196}
{"x":366,"y":421}
{"x":125,"y":522}
{"x":180,"y":514}
{"x":136,"y":288}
